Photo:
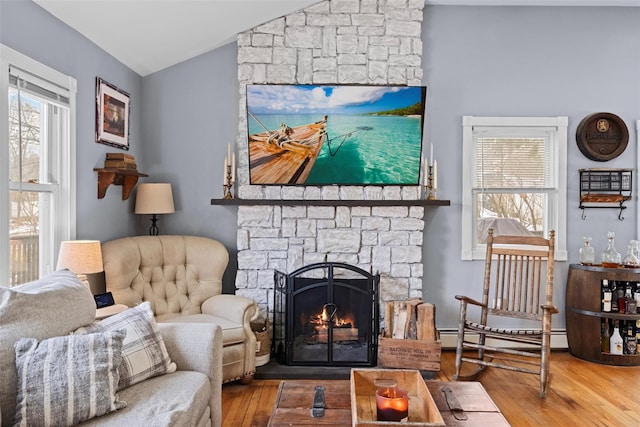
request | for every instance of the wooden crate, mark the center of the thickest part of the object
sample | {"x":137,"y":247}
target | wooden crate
{"x":422,"y":408}
{"x":414,"y":354}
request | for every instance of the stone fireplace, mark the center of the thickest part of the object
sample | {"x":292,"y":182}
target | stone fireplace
{"x":379,"y":229}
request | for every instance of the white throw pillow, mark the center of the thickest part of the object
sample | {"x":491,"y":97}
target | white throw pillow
{"x":65,"y":380}
{"x":144,"y":354}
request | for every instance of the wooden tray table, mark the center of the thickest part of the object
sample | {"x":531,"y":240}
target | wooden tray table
{"x":295,"y":399}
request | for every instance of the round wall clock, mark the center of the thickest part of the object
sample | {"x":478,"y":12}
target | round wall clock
{"x":602,"y":136}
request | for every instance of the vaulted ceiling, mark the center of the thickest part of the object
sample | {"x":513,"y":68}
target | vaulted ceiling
{"x":150,"y":35}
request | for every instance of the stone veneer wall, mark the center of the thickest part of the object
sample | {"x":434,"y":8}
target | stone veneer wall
{"x":344,"y":42}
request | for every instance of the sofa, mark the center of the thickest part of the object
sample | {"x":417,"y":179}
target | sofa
{"x":181,"y":277}
{"x":55,"y":306}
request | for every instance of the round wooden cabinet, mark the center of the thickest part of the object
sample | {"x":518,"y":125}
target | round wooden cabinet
{"x":584,"y":315}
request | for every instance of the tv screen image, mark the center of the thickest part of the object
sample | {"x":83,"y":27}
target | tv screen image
{"x":335,"y":134}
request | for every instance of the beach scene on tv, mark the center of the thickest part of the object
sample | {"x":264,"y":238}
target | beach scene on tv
{"x":341,"y":134}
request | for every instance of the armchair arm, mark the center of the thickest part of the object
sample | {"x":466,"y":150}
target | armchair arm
{"x":465,"y":299}
{"x":551,"y":308}
{"x":233,"y":307}
{"x":198,"y":347}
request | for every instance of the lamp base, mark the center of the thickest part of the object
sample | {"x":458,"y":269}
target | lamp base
{"x":153,"y":230}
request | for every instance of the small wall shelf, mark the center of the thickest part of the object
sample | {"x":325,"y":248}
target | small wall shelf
{"x":124,"y":177}
{"x":263,"y":202}
{"x":605,"y":188}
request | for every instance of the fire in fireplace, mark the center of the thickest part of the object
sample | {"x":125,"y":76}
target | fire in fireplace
{"x":326,"y":314}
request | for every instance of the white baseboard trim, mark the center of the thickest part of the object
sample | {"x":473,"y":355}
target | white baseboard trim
{"x":449,"y":339}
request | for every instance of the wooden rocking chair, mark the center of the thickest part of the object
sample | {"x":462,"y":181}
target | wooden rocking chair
{"x":517,"y":285}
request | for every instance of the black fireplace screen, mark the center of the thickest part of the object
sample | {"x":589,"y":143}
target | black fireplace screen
{"x":326,"y":314}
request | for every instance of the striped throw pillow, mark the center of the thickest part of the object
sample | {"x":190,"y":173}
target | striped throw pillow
{"x":144,"y":354}
{"x":65,"y":380}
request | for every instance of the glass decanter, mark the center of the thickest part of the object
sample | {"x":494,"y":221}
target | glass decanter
{"x":587,"y":252}
{"x":610,"y":257}
{"x":630,"y":260}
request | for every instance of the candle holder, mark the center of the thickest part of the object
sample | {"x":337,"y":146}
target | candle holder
{"x":429,"y":190}
{"x":392,"y":402}
{"x":228,"y":185}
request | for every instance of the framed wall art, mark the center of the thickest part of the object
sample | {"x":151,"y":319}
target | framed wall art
{"x":112,"y":115}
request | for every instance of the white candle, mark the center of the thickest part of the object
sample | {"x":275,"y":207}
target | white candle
{"x":431,"y":155}
{"x":224,"y":172}
{"x":233,"y":168}
{"x":435,"y":174}
{"x":229,"y":151}
{"x":426,"y":172}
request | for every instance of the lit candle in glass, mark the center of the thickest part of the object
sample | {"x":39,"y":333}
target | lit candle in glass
{"x":392,"y":404}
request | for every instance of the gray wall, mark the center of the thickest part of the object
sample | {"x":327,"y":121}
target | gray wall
{"x":477,"y":61}
{"x":189,"y":118}
{"x":524,"y":61}
{"x":32,"y":31}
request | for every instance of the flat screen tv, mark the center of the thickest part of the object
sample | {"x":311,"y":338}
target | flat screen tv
{"x":335,"y":134}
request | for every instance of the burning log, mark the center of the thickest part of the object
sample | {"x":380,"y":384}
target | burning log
{"x":339,"y":334}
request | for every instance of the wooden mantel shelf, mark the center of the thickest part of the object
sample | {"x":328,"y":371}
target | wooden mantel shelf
{"x":263,"y":202}
{"x":124,"y":177}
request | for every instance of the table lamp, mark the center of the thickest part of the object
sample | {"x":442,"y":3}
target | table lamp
{"x":154,"y":199}
{"x":81,"y":257}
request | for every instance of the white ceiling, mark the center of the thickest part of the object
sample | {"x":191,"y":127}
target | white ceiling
{"x":150,"y":35}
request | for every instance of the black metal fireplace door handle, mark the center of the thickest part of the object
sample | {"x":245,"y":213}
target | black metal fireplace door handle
{"x":317,"y":410}
{"x":333,"y":313}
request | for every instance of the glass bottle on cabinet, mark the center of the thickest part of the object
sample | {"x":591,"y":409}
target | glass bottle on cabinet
{"x":587,"y":252}
{"x":605,"y":336}
{"x":610,"y":257}
{"x":615,"y":342}
{"x":630,"y":260}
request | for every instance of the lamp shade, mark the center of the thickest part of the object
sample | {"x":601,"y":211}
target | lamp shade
{"x":154,"y":198}
{"x":81,"y":256}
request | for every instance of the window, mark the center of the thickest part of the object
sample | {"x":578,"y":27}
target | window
{"x":38,"y":153}
{"x":514,"y":179}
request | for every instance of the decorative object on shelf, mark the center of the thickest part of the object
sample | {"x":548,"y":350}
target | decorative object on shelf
{"x":602,"y":136}
{"x":229,"y":173}
{"x":605,"y":188}
{"x":81,"y":257}
{"x":124,"y":161}
{"x":112,"y":115}
{"x":587,"y":252}
{"x":154,"y":199}
{"x":611,"y":258}
{"x":431,"y":177}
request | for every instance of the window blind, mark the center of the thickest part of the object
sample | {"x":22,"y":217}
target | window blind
{"x":38,"y":86}
{"x":508,"y":158}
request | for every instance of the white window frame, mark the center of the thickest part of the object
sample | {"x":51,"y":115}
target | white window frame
{"x":64,"y":208}
{"x":556,"y":214}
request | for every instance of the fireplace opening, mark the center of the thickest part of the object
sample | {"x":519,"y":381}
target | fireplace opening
{"x":326,"y":314}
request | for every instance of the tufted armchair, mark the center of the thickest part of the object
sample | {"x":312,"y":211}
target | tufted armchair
{"x":181,"y":276}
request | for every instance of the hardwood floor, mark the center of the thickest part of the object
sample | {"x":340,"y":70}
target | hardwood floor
{"x":580,"y":393}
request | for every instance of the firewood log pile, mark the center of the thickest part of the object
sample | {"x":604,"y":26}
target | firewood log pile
{"x":410,"y":319}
